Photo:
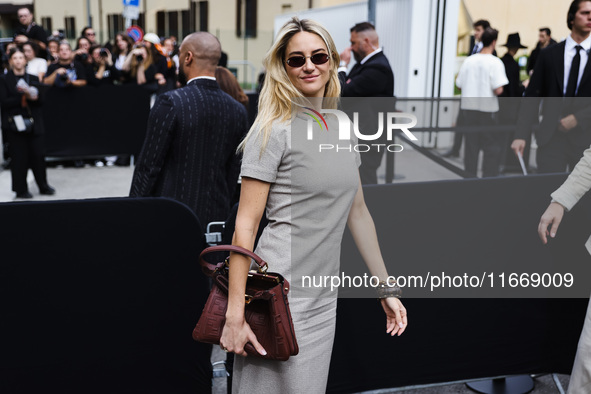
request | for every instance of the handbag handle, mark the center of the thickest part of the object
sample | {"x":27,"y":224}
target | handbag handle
{"x":208,"y":268}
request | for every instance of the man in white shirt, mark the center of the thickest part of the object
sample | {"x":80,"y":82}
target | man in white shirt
{"x":481,"y":79}
{"x":479,"y":27}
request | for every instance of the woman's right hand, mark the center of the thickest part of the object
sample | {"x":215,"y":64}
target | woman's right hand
{"x":236,"y":334}
{"x":140,"y":51}
{"x":550,"y":219}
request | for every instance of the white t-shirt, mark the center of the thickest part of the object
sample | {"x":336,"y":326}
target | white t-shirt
{"x":479,"y":76}
{"x":119,"y":62}
{"x":35,"y":66}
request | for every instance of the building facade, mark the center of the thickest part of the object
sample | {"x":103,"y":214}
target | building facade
{"x":516,"y":16}
{"x":244,"y":27}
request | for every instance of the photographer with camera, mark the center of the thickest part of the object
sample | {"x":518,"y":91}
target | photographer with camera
{"x":141,"y":67}
{"x":101,"y":70}
{"x":66,"y":72}
{"x":53,"y":46}
{"x":81,"y":53}
{"x":22,"y":122}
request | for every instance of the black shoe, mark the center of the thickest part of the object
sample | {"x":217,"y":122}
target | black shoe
{"x":47,"y":191}
{"x":451,"y":154}
{"x":123,"y":161}
{"x":24,"y":195}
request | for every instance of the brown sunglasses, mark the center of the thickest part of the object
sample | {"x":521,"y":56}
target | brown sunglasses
{"x":299,"y":61}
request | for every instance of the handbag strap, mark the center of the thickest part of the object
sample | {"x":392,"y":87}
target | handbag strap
{"x":209,"y":268}
{"x":24,"y":102}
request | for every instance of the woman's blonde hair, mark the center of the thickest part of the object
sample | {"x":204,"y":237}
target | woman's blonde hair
{"x":275,"y":100}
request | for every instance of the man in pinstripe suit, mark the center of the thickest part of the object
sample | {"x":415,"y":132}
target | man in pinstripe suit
{"x":190,"y":154}
{"x":190,"y":149}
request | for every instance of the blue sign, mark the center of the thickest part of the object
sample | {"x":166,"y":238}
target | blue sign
{"x":133,"y":3}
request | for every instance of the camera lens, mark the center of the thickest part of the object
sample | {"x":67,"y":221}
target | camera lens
{"x":139,"y":58}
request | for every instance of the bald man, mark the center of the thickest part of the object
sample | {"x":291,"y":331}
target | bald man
{"x":189,"y":153}
{"x":371,"y":76}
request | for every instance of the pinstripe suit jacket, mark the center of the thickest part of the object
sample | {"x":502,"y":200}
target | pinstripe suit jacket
{"x":189,"y":153}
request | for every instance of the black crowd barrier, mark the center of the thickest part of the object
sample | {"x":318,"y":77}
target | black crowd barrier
{"x":95,"y":121}
{"x":99,"y":121}
{"x":457,"y":339}
{"x":102,"y":295}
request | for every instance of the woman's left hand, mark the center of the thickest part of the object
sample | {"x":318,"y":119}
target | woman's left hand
{"x":396,"y":318}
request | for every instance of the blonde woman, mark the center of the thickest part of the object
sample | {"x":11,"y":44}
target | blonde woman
{"x":302,"y":63}
{"x":139,"y":63}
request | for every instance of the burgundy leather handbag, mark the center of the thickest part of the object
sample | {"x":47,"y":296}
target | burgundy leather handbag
{"x":266,"y":309}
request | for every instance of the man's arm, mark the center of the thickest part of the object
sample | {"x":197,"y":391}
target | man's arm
{"x":50,"y":79}
{"x":577,"y":183}
{"x":80,"y":75}
{"x":582,"y":116}
{"x":565,"y":197}
{"x":159,"y":136}
{"x":530,"y":104}
{"x":78,"y":83}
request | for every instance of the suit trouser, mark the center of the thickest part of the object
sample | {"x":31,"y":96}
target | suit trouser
{"x":580,"y":378}
{"x":27,"y":151}
{"x":559,"y":154}
{"x":491,"y":144}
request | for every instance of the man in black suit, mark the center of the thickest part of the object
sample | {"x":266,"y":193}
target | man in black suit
{"x":190,"y":149}
{"x":544,"y":40}
{"x":561,"y":71}
{"x":371,"y":76}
